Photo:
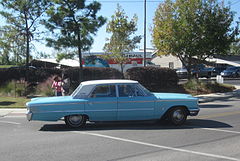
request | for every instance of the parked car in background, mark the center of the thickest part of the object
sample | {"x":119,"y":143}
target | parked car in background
{"x":202,"y":71}
{"x":231,"y":72}
{"x":218,"y":70}
{"x":182,"y":73}
{"x":197,"y":71}
{"x":113,"y":100}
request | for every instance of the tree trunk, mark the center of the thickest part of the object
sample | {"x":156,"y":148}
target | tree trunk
{"x":121,"y":65}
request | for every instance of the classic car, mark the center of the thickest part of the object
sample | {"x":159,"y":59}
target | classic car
{"x":113,"y":100}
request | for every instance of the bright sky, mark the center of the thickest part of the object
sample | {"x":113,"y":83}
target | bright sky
{"x":131,"y":7}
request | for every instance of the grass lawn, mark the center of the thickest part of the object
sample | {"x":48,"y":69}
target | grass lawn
{"x":6,"y":66}
{"x":12,"y":102}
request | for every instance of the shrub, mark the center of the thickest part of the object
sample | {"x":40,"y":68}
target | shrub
{"x":8,"y":89}
{"x":45,"y":88}
{"x":31,"y":75}
{"x":195,"y":87}
{"x":91,"y":73}
{"x":154,"y":78}
{"x":12,"y":88}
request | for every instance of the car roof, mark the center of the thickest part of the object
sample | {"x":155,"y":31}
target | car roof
{"x":108,"y":81}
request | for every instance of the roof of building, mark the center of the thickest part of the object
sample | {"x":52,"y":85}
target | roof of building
{"x":221,"y":61}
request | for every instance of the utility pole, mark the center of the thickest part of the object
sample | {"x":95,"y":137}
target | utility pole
{"x":144,"y":48}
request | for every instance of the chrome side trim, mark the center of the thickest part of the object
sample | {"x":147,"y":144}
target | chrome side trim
{"x":101,"y":102}
{"x":56,"y":104}
{"x":138,"y":109}
{"x":59,"y":111}
{"x":174,"y":100}
{"x":108,"y":110}
{"x":133,"y":101}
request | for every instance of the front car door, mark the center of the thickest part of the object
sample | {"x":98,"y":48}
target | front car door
{"x":102,"y":103}
{"x":134,"y":104}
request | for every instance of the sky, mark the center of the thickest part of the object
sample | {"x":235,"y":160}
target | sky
{"x":130,"y":7}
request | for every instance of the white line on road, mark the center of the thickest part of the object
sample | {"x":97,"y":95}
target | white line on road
{"x":221,"y":130}
{"x":10,"y":122}
{"x":214,"y":129}
{"x":159,"y":146}
{"x":16,"y":116}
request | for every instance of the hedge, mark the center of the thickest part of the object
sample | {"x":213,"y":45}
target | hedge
{"x":41,"y":74}
{"x":32,"y":75}
{"x":155,"y":79}
{"x":91,"y":73}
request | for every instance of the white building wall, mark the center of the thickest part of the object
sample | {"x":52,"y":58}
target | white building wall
{"x":167,"y":61}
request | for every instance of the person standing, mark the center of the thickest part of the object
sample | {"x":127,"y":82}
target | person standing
{"x":57,"y":86}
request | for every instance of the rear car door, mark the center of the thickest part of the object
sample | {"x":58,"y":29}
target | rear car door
{"x":102,"y":104}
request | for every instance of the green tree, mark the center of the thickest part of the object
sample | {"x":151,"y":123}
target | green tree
{"x":65,"y":55}
{"x":121,"y":41}
{"x":11,"y":46}
{"x":193,"y":30}
{"x":235,"y":48}
{"x":24,"y":17}
{"x":73,"y":23}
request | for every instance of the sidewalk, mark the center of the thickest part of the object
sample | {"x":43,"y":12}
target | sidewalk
{"x":219,"y":96}
{"x":12,"y":112}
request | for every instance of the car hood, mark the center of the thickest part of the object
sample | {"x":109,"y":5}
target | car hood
{"x":52,"y":100}
{"x":173,"y":96}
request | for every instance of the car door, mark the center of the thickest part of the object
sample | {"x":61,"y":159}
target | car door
{"x":133,"y":104}
{"x":102,"y":103}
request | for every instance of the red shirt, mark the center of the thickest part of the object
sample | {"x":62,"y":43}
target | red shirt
{"x":57,"y":85}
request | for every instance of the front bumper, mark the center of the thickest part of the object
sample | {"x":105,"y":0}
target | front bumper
{"x":29,"y":115}
{"x":194,"y":112}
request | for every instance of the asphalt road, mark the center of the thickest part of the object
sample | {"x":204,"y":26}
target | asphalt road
{"x":212,"y":136}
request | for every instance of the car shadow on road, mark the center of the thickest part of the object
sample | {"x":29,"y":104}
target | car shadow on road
{"x":143,"y":125}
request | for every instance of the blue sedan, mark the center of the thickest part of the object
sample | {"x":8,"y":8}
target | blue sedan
{"x":113,"y":100}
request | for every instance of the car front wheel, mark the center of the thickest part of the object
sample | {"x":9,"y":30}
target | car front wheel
{"x":75,"y":121}
{"x":177,"y":116}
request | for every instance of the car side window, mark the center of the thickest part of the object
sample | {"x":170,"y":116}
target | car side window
{"x":129,"y":91}
{"x":104,"y":91}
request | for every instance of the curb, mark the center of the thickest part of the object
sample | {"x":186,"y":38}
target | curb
{"x":218,"y":96}
{"x":12,"y":112}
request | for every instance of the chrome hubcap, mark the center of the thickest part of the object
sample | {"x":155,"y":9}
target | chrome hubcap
{"x":75,"y":119}
{"x":178,"y":115}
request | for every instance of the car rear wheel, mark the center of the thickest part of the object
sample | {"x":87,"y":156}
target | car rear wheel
{"x":75,"y":121}
{"x":177,"y":116}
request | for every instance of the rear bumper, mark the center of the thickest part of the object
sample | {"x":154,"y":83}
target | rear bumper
{"x":194,"y":112}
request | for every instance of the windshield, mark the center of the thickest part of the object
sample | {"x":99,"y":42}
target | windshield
{"x":146,"y":91}
{"x":75,"y":92}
